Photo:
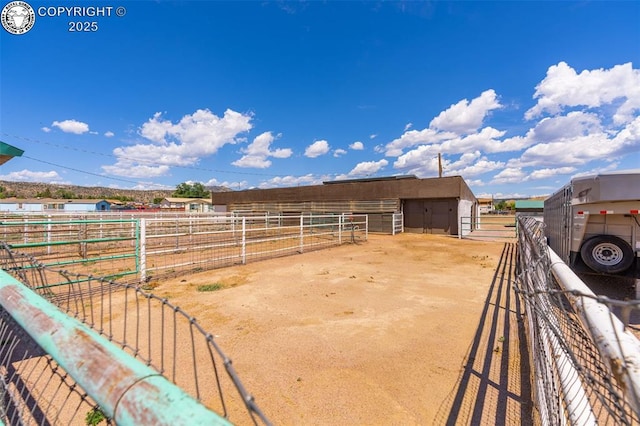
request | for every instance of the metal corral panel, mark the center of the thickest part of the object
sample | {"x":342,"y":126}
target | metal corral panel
{"x":380,"y":222}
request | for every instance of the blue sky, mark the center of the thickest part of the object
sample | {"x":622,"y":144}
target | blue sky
{"x":517,"y":97}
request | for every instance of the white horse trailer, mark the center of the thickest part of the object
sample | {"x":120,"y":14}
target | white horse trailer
{"x":592,"y":223}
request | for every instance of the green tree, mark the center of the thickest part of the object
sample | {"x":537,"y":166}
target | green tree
{"x":64,"y":194}
{"x":44,"y":194}
{"x":186,"y":190}
{"x":6,"y":194}
{"x":123,"y":198}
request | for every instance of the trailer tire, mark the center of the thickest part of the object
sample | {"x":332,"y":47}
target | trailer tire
{"x":607,"y":254}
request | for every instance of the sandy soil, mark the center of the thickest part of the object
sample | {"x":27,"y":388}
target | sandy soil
{"x":380,"y":332}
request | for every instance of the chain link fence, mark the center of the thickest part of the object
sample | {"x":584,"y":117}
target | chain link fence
{"x":586,"y":357}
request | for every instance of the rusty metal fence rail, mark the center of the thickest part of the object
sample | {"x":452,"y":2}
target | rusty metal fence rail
{"x":586,"y":357}
{"x":90,"y":349}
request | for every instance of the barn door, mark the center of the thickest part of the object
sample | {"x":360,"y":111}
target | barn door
{"x":428,"y":216}
{"x":437,"y":217}
{"x":413,"y":216}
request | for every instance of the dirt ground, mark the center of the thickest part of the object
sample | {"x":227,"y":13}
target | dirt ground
{"x":398,"y":330}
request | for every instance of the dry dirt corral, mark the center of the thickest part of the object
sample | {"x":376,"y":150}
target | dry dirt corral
{"x":406,"y":329}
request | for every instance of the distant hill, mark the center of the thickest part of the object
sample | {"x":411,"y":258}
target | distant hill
{"x":32,"y":189}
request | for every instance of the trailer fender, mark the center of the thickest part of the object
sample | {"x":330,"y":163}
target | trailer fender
{"x":607,"y":254}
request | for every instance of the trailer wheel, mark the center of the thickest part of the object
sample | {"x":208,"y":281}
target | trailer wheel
{"x":607,"y":253}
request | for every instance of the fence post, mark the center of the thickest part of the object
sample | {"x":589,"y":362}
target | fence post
{"x":301,"y":233}
{"x":141,"y":239}
{"x":244,"y":240}
{"x":49,"y":234}
{"x":134,"y":229}
{"x":340,"y":222}
{"x":393,"y":223}
{"x":366,"y":227}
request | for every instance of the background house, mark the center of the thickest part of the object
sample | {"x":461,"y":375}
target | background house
{"x":486,"y":205}
{"x":189,"y":205}
{"x":53,"y":205}
{"x":530,"y":207}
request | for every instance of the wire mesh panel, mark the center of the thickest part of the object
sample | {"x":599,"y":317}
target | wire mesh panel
{"x":586,"y":358}
{"x":150,"y":329}
{"x":35,"y":390}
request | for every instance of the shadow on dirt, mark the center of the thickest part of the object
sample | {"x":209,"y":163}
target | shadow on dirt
{"x":494,"y":383}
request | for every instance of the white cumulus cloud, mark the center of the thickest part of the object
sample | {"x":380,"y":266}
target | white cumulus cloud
{"x":466,"y":117}
{"x":564,"y":87}
{"x":510,"y":175}
{"x":580,"y":118}
{"x":227,"y":184}
{"x":71,"y":126}
{"x":31,"y":176}
{"x":413,"y":138}
{"x":366,"y":168}
{"x":308,"y":179}
{"x":317,"y":149}
{"x":183,"y":143}
{"x":576,"y":139}
{"x":547,"y":173}
{"x":258,"y":152}
{"x":357,"y":146}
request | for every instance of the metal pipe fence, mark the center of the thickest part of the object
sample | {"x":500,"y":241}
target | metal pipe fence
{"x":488,"y":227}
{"x":586,"y":354}
{"x":93,"y":349}
{"x":397,"y":226}
{"x":142,"y":247}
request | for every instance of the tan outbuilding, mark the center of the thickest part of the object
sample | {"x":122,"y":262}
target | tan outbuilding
{"x":432,"y":205}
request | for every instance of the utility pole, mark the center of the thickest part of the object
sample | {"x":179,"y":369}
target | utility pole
{"x":439,"y":165}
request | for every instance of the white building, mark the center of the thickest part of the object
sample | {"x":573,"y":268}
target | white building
{"x":19,"y":205}
{"x":189,"y":205}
